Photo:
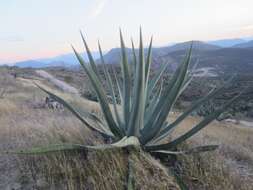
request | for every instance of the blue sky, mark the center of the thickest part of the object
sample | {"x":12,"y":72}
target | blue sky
{"x":42,"y":28}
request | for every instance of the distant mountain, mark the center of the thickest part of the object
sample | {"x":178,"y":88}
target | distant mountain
{"x":68,"y":58}
{"x":197,"y":45}
{"x":213,"y":59}
{"x":42,"y":64}
{"x":248,"y":38}
{"x":65,"y":60}
{"x":227,"y":42}
{"x":29,"y":63}
{"x":113,"y":56}
{"x":220,"y":61}
{"x":248,"y":44}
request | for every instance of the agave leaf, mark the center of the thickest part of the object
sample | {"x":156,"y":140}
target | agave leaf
{"x":127,"y":141}
{"x":103,"y":130}
{"x":147,"y":71}
{"x":184,"y":86}
{"x":126,"y":81}
{"x":134,"y":57}
{"x":148,"y":61}
{"x":180,"y":84}
{"x":124,"y":142}
{"x":155,"y":99}
{"x":194,"y":67}
{"x":170,"y":126}
{"x":190,"y":151}
{"x":134,"y":71}
{"x":156,"y":110}
{"x":152,"y":83}
{"x":186,"y":83}
{"x":214,"y":92}
{"x":194,"y":130}
{"x":137,"y":111}
{"x":160,"y":90}
{"x":152,"y":104}
{"x":91,"y":60}
{"x":105,"y":70}
{"x":50,"y":149}
{"x":118,"y":86}
{"x":111,"y":89}
{"x":165,"y":103}
{"x":101,"y":96}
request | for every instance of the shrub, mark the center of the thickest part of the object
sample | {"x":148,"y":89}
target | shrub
{"x":140,"y":117}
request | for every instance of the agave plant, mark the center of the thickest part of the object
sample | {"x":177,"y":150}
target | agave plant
{"x":139,"y":118}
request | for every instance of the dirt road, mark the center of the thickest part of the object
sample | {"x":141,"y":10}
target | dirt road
{"x":60,"y":84}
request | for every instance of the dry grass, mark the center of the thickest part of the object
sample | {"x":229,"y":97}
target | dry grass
{"x":230,"y":167}
{"x":24,"y":127}
{"x":21,"y":126}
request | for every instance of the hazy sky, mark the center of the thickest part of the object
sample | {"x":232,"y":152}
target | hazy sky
{"x":41,"y":28}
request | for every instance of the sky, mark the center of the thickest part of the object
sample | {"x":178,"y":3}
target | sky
{"x":32,"y":29}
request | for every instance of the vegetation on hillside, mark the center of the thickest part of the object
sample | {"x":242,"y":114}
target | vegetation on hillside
{"x":23,"y":126}
{"x":139,"y":119}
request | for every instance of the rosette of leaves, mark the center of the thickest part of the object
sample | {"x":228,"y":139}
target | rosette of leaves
{"x":139,"y":118}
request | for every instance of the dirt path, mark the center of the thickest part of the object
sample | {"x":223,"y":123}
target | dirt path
{"x":240,"y":122}
{"x":60,"y":84}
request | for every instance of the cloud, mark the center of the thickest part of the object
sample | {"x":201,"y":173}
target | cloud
{"x":98,"y":8}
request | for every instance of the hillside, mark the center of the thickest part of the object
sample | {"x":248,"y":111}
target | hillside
{"x":225,"y":60}
{"x":221,"y":60}
{"x":25,"y":124}
{"x":248,"y":44}
{"x":197,"y":45}
{"x":30,"y":63}
{"x":65,"y":60}
{"x":236,"y":59}
{"x":112,"y":56}
{"x":227,"y":42}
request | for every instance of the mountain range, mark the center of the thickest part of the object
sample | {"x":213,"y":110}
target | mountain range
{"x":229,"y":55}
{"x":228,"y":42}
